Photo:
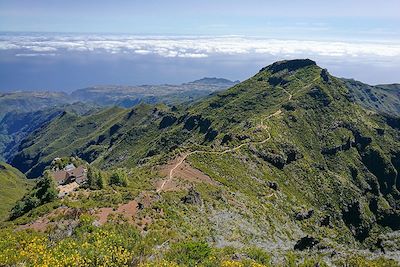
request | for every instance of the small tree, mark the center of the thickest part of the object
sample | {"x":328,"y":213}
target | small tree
{"x":119,"y":178}
{"x":47,"y":190}
{"x":44,"y":192}
{"x":95,"y":179}
{"x":100,"y":180}
{"x":91,"y":177}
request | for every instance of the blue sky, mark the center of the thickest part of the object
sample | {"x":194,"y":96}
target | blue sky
{"x":70,"y":44}
{"x":308,"y":19}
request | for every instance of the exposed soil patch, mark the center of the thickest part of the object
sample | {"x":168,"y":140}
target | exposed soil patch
{"x":179,"y":169}
{"x":42,"y":223}
{"x":64,"y":190}
{"x":167,"y":185}
{"x":127,"y":211}
{"x":102,"y":215}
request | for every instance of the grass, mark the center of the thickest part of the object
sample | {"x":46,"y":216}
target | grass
{"x":241,"y":211}
{"x":13,"y":186}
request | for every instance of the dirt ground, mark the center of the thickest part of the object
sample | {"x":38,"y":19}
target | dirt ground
{"x":183,"y":171}
{"x":42,"y":223}
{"x":127,"y":211}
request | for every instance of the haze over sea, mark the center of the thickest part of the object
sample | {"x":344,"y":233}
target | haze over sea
{"x":71,"y":61}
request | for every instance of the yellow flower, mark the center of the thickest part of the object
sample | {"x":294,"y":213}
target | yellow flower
{"x":231,"y":264}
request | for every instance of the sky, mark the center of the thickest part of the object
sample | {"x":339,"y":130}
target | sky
{"x":65,"y":45}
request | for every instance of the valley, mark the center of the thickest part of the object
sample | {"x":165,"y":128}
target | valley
{"x":291,"y":167}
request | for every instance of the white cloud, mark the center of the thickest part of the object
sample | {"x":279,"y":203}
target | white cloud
{"x":192,"y":55}
{"x":196,"y":47}
{"x":35,"y":55}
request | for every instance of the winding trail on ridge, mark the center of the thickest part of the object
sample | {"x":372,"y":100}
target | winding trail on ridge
{"x":179,"y":163}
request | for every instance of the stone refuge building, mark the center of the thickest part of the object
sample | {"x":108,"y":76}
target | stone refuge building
{"x":70,"y":174}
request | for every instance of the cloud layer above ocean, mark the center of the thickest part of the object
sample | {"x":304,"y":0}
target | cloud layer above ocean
{"x":193,"y":47}
{"x":70,"y":61}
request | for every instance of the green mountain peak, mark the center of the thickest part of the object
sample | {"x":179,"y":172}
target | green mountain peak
{"x":285,"y":161}
{"x":289,"y":65}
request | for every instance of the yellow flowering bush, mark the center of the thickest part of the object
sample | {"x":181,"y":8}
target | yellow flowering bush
{"x":121,"y":245}
{"x":231,"y":263}
{"x":162,"y":263}
{"x":106,"y":246}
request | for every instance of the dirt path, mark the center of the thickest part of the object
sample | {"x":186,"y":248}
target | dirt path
{"x":184,"y":156}
{"x":290,"y":95}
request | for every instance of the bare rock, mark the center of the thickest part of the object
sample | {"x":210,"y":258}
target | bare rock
{"x":193,"y":197}
{"x":304,"y":215}
{"x":306,"y":242}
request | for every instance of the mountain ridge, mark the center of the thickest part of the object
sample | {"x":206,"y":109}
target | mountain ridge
{"x":289,"y":163}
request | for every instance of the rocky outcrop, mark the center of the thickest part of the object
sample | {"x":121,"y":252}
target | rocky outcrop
{"x":390,"y":218}
{"x":286,"y":154}
{"x":275,"y":159}
{"x":320,"y":96}
{"x":289,"y":65}
{"x":380,"y":166}
{"x":304,"y":215}
{"x":355,"y":220}
{"x":326,"y":221}
{"x":325,"y":75}
{"x":196,"y":121}
{"x":273,"y":185}
{"x":274,"y":81}
{"x":306,"y":242}
{"x":230,"y":137}
{"x":193,"y":197}
{"x":210,"y":135}
{"x":167,"y":121}
{"x":343,"y":147}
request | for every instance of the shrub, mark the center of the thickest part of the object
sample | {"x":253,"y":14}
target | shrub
{"x":95,"y":179}
{"x":258,"y":255}
{"x":45,"y":191}
{"x":189,"y":253}
{"x":119,"y":178}
{"x":110,"y":245}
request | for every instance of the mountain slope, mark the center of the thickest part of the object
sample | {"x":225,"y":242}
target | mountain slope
{"x":129,"y":96}
{"x":284,"y":160}
{"x":15,"y":125}
{"x":13,"y":186}
{"x":382,"y":98}
{"x":30,"y":101}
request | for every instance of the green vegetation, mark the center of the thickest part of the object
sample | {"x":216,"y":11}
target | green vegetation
{"x":119,"y":178}
{"x":96,"y":179}
{"x":189,"y":253}
{"x":382,"y":98}
{"x":30,"y":101}
{"x":294,"y":172}
{"x":45,"y":191}
{"x":13,"y":186}
{"x":19,"y":123}
{"x":122,"y":245}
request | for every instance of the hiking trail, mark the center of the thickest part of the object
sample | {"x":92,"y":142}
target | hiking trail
{"x":185,"y":155}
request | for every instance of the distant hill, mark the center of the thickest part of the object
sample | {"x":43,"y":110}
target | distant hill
{"x":16,"y":125}
{"x":13,"y":186}
{"x":129,"y":96}
{"x":215,"y":81}
{"x":381,"y":98}
{"x":124,"y":96}
{"x":23,"y":112}
{"x":30,"y":101}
